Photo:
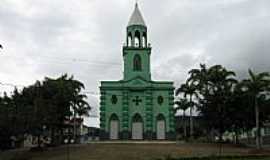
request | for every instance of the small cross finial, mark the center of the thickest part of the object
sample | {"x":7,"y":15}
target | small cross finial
{"x":136,"y":4}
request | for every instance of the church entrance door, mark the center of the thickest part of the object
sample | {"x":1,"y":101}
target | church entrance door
{"x":137,"y":127}
{"x":160,"y":127}
{"x":114,"y":127}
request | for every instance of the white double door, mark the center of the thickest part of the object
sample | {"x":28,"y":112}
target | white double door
{"x":160,"y":129}
{"x":137,"y":130}
{"x":114,"y":129}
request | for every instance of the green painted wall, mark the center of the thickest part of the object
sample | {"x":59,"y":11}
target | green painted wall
{"x":148,"y":108}
{"x":129,"y":54}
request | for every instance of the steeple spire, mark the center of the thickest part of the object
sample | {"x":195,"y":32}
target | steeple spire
{"x":136,"y":17}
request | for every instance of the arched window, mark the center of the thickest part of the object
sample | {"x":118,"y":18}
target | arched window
{"x":137,"y":39}
{"x":129,"y":39}
{"x":137,"y":42}
{"x":114,"y":117}
{"x":144,"y":40}
{"x":137,"y":118}
{"x":160,"y":117}
{"x":114,"y":99}
{"x":137,"y":63}
{"x":160,"y":100}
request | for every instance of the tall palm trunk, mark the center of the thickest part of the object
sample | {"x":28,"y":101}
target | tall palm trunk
{"x":258,"y":129}
{"x":185,"y":125}
{"x":236,"y":137}
{"x":74,"y":126}
{"x":191,"y":118}
{"x":53,"y":136}
{"x":248,"y":137}
{"x":80,"y":129}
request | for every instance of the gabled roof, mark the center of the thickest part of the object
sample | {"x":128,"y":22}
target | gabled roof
{"x":136,"y":17}
{"x":137,"y":82}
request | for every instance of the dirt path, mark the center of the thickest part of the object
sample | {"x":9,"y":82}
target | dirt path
{"x":131,"y":151}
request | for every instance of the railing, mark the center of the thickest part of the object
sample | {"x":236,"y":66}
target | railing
{"x":136,"y":46}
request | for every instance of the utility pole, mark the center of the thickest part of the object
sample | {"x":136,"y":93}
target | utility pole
{"x":68,"y":141}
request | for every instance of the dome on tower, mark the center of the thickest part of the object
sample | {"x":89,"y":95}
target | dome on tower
{"x":136,"y":17}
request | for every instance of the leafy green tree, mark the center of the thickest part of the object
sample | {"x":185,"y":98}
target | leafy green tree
{"x":221,"y":82}
{"x":5,"y":121}
{"x":44,"y":105}
{"x":66,"y":100}
{"x":215,"y":86}
{"x":257,"y":86}
{"x":240,"y":111}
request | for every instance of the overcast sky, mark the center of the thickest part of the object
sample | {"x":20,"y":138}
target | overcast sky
{"x":84,"y":38}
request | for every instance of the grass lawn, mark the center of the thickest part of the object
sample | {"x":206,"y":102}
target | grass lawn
{"x":109,"y":151}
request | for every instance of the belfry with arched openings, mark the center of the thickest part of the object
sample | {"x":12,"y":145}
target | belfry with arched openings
{"x":136,"y":107}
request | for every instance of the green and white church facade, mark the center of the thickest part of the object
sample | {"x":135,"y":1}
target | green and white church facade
{"x":136,"y":107}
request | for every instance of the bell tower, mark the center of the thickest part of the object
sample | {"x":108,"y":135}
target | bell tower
{"x":136,"y":51}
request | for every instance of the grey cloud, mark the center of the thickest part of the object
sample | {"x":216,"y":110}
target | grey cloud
{"x":49,"y":38}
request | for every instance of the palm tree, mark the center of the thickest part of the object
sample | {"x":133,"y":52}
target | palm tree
{"x":183,"y":104}
{"x":257,"y":85}
{"x":199,"y":77}
{"x":220,"y":77}
{"x":66,"y":92}
{"x":191,"y":90}
{"x":214,"y":86}
{"x":81,"y":108}
{"x":221,"y":82}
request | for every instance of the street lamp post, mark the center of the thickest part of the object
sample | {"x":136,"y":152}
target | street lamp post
{"x":68,"y":141}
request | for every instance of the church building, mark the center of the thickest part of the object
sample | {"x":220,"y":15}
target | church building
{"x":136,"y":107}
